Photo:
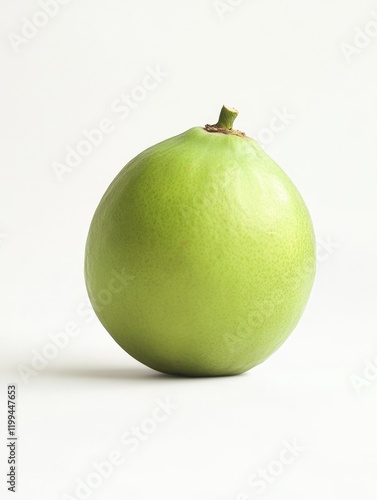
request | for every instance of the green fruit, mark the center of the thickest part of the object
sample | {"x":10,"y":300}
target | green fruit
{"x":201,"y":255}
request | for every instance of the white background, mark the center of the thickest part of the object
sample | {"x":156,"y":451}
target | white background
{"x":318,"y":392}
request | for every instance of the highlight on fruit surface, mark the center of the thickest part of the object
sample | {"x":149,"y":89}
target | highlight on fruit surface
{"x":200,"y":257}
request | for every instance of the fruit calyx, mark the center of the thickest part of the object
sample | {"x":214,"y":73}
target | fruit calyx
{"x":225,"y":123}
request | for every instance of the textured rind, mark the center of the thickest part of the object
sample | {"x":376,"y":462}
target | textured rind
{"x":201,"y":255}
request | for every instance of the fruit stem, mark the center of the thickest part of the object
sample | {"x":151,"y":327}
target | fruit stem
{"x":226,"y":118}
{"x":225,"y":123}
